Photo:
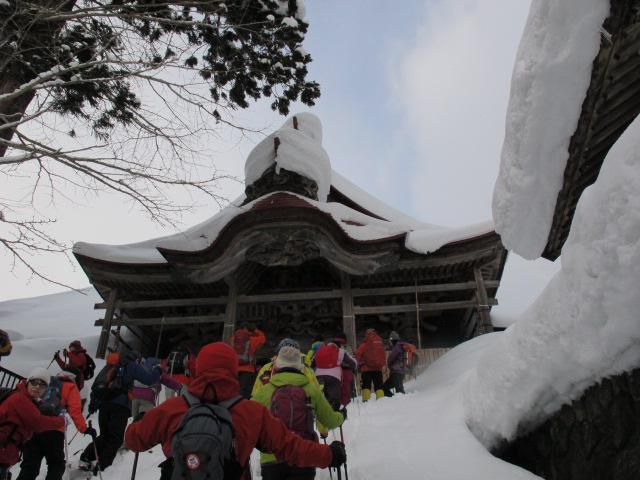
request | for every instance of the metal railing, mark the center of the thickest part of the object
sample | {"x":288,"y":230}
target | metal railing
{"x":8,"y":379}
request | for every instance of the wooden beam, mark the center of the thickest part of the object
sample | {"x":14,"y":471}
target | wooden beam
{"x":442,"y":287}
{"x":424,"y":307}
{"x":230,"y":310}
{"x":348,"y":318}
{"x":103,"y":342}
{"x":141,"y":322}
{"x":482,"y":304}
{"x":295,"y":296}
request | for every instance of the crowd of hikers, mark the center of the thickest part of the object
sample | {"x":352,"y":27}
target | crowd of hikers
{"x":218,"y":406}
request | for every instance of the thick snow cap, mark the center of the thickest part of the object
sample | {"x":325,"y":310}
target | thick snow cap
{"x":550,"y":79}
{"x":300,"y":151}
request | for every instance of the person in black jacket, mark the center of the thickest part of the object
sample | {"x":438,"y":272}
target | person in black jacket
{"x":114,"y":413}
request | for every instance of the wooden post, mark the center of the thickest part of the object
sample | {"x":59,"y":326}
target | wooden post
{"x":103,"y":342}
{"x":418,"y":316}
{"x":484,"y":323}
{"x":230,"y":310}
{"x":348,"y":318}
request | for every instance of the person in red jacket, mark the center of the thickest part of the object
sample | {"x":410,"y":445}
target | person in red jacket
{"x":245,"y":342}
{"x":371,"y":357}
{"x":76,"y":357}
{"x":20,"y":419}
{"x":50,"y":444}
{"x":253,"y":425}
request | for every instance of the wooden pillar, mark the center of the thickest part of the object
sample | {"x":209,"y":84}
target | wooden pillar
{"x":230,"y":310}
{"x":348,"y":318}
{"x":484,"y":315}
{"x":418,"y":316}
{"x":103,"y":342}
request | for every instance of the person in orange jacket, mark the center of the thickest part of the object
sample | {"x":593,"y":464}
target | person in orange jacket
{"x":20,"y":419}
{"x":245,"y":342}
{"x":50,"y":444}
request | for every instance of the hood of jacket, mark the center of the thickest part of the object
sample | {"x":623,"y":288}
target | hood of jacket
{"x":289,"y":377}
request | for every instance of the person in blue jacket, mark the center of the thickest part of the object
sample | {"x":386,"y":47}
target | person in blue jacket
{"x":114,"y":407}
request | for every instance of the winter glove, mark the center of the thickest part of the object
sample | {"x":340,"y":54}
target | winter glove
{"x":343,"y":411}
{"x":324,"y":435}
{"x":91,"y":432}
{"x":338,"y":454}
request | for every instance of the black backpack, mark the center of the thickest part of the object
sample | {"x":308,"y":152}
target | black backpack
{"x":90,"y":368}
{"x":110,"y":383}
{"x":202,"y":445}
{"x":50,"y":403}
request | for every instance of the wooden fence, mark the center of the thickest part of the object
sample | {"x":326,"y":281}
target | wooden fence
{"x":8,"y":379}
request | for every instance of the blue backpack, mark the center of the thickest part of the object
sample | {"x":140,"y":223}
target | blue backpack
{"x":50,"y":403}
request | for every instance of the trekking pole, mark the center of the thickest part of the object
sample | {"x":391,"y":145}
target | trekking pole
{"x":135,"y":466}
{"x":159,"y":337}
{"x":330,"y":474}
{"x":346,"y":474}
{"x":95,"y":450}
{"x":67,"y":465}
{"x":53,"y":359}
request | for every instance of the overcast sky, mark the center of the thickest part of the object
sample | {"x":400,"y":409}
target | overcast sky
{"x":414,"y":95}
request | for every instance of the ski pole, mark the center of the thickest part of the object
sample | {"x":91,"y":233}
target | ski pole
{"x":135,"y":466}
{"x":330,"y":474}
{"x":53,"y":359}
{"x":66,"y":451}
{"x":346,"y":474}
{"x":95,"y":450}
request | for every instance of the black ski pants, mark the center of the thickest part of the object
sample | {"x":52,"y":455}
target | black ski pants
{"x":49,"y":445}
{"x":112,"y":419}
{"x":368,"y":378}
{"x":332,"y":390}
{"x":396,"y":382}
{"x":282,"y":471}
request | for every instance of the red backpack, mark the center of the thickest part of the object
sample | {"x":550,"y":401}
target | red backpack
{"x":242,"y":346}
{"x":290,"y":404}
{"x":374,"y":355}
{"x":327,"y":356}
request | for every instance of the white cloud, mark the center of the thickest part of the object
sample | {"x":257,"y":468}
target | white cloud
{"x":453,"y":84}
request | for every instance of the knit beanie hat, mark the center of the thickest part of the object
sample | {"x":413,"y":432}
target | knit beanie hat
{"x":216,"y":355}
{"x":39,"y":373}
{"x":288,"y":342}
{"x":289,"y":357}
{"x":75,"y":344}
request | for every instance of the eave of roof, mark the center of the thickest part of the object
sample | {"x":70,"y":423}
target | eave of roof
{"x":611,"y":104}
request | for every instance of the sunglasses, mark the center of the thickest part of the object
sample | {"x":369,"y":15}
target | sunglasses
{"x":38,"y":383}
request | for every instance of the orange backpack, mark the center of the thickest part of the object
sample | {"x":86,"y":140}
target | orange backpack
{"x":374,"y":355}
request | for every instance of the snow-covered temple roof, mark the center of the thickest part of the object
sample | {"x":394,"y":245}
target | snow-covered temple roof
{"x":361,"y":217}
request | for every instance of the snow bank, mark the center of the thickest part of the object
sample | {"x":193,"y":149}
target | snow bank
{"x":550,"y":79}
{"x":584,"y":326}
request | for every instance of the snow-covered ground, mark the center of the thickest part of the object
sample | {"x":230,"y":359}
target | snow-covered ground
{"x":416,"y":436}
